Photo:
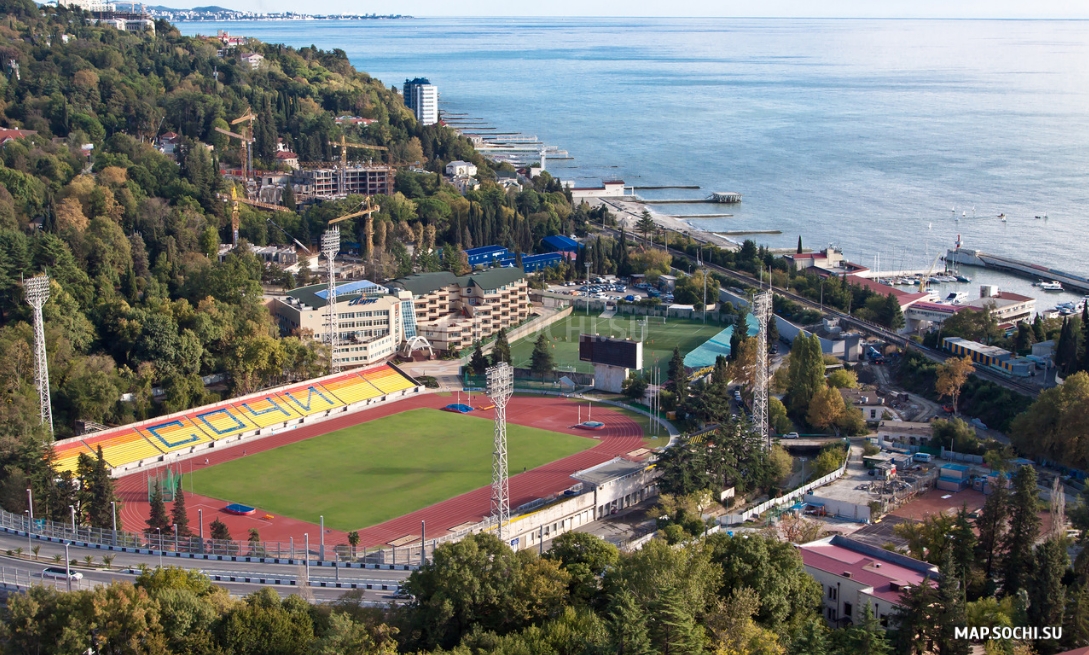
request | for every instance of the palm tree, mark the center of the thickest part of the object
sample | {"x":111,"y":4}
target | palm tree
{"x":107,"y":560}
{"x":353,"y":540}
{"x":89,"y":560}
{"x":19,"y":550}
{"x":57,"y":559}
{"x":35,"y":550}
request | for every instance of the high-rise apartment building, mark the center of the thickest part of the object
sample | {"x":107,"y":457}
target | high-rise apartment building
{"x":422,"y":97}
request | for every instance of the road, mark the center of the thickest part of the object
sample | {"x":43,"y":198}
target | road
{"x":864,"y":326}
{"x":126,"y":566}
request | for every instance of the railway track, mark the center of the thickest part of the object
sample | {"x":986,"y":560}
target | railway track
{"x":863,"y":326}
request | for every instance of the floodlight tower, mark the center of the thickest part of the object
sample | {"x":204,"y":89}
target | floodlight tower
{"x":37,"y":293}
{"x":330,"y":246}
{"x":762,"y":311}
{"x":500,"y":387}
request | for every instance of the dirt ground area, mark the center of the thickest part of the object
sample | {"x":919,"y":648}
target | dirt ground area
{"x":938,"y":501}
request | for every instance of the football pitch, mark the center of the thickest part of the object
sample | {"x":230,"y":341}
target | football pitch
{"x":375,"y":471}
{"x":659,"y":339}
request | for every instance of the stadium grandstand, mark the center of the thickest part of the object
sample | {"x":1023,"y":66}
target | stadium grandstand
{"x":178,"y":433}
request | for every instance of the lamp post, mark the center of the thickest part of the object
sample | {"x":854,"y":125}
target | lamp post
{"x":73,"y":510}
{"x":200,"y":522}
{"x":30,"y":503}
{"x":113,"y":511}
{"x":159,"y":538}
{"x":321,"y":542}
{"x":68,"y":565}
{"x":306,"y":556}
{"x":29,"y":522}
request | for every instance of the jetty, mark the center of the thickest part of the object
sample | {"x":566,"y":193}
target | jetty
{"x":970,"y":257}
{"x":738,"y":233}
{"x":718,"y":197}
{"x":655,"y":188}
{"x":686,"y":216}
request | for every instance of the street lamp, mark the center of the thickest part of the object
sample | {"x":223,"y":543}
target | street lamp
{"x":29,"y":522}
{"x":113,"y":510}
{"x":159,"y":532}
{"x":68,"y":565}
{"x":73,"y":509}
{"x":30,"y":503}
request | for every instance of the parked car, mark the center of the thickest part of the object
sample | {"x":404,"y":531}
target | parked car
{"x":790,"y":435}
{"x":62,"y":574}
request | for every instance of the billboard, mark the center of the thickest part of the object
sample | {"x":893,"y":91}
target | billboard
{"x":613,"y":352}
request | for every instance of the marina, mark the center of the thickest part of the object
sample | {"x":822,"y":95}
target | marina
{"x":1042,"y":274}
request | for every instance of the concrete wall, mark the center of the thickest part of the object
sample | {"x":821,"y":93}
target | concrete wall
{"x":841,"y":508}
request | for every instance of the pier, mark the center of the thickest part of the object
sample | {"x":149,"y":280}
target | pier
{"x":704,"y":216}
{"x":1029,"y":270}
{"x":739,"y":233}
{"x":716,"y":198}
{"x":655,"y":188}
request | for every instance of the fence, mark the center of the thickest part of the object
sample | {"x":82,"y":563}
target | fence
{"x":403,"y":557}
{"x":734,"y":519}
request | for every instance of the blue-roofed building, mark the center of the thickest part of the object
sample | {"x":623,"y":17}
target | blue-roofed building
{"x":561,"y":243}
{"x":533,"y":263}
{"x":487,"y":255}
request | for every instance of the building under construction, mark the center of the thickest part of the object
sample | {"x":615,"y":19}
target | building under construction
{"x":367,"y":180}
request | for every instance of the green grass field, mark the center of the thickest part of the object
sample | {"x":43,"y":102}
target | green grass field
{"x":379,"y":470}
{"x":660,"y":339}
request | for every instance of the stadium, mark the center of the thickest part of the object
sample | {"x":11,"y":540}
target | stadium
{"x":365,"y":450}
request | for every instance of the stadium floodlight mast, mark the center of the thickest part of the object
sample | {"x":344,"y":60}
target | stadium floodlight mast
{"x":330,"y":246}
{"x":762,"y":311}
{"x":37,"y":293}
{"x":500,"y":387}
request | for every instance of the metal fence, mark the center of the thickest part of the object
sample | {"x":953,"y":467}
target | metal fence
{"x":171,"y":544}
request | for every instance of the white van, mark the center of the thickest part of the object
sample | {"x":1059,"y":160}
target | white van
{"x":922,"y":457}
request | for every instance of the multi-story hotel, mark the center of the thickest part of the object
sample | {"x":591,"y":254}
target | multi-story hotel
{"x":452,"y":312}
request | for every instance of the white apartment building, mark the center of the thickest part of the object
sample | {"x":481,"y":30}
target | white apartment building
{"x":422,"y":97}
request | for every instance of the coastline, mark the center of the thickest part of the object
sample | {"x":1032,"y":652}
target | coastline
{"x":628,"y":213}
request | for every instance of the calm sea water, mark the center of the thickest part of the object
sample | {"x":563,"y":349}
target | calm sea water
{"x":861,"y":133}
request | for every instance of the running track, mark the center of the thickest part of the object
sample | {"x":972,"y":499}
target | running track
{"x":620,"y":436}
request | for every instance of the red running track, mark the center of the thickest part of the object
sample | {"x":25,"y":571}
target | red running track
{"x":620,"y":436}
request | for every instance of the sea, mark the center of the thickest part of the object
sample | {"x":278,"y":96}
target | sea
{"x":885,"y":138}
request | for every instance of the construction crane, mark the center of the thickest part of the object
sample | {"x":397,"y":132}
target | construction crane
{"x":235,"y":199}
{"x":344,"y":145}
{"x":367,"y":208}
{"x":245,"y":138}
{"x":286,"y":234}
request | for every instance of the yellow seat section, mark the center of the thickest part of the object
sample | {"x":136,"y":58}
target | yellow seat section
{"x":126,"y":448}
{"x":66,"y":457}
{"x":388,"y":380}
{"x":174,"y":434}
{"x":266,"y":411}
{"x":310,"y":399}
{"x":223,"y":421}
{"x":352,"y":389}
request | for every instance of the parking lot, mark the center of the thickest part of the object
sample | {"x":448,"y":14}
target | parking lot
{"x":609,"y":288}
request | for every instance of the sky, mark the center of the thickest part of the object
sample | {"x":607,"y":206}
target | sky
{"x":678,"y":8}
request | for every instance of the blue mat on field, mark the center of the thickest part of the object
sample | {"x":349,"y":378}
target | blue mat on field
{"x":717,"y":345}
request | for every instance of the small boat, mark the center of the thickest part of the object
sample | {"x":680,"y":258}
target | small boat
{"x":1002,"y":217}
{"x":963,"y":278}
{"x":955,"y":298}
{"x":1050,"y":286}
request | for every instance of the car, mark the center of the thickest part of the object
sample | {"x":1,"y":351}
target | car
{"x":790,"y":435}
{"x":629,"y":298}
{"x":62,"y":574}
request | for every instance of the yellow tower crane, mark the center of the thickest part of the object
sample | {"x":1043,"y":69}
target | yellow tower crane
{"x":245,"y":138}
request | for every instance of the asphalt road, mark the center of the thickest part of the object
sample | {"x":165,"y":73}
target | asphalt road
{"x":125,"y":567}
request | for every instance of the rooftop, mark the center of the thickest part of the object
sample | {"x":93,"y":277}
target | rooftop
{"x":886,"y":572}
{"x":317,"y":295}
{"x":424,"y":283}
{"x":611,"y":470}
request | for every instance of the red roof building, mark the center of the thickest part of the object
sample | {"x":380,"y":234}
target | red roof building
{"x":7,"y":134}
{"x":853,"y":574}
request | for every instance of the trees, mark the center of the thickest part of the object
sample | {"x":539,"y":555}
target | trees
{"x":158,"y":518}
{"x":1046,"y":592}
{"x":806,"y":373}
{"x":1066,"y":348}
{"x":1024,"y":528}
{"x":645,"y":225}
{"x":478,"y":364}
{"x":626,"y":622}
{"x":677,"y":374}
{"x":179,"y":514}
{"x":952,"y":374}
{"x":220,"y":532}
{"x":635,"y":387}
{"x":992,"y":527}
{"x":841,"y":378}
{"x":1056,"y":426}
{"x":501,"y":351}
{"x":825,"y":408}
{"x":585,"y":558}
{"x":541,"y":362}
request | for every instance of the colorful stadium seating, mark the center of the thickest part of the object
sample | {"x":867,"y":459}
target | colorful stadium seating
{"x":125,"y":447}
{"x":352,"y":389}
{"x":388,"y":380}
{"x":221,"y":422}
{"x":266,"y":411}
{"x":174,"y":434}
{"x":310,"y":399}
{"x":67,"y":456}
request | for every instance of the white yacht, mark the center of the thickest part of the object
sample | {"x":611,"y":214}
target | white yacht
{"x":1050,"y":286}
{"x":955,"y":298}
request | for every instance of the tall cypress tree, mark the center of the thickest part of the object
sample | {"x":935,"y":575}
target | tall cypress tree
{"x":799,"y":244}
{"x":1024,"y":528}
{"x":950,"y":615}
{"x":1084,"y":366}
{"x":992,"y":527}
{"x":1066,"y":350}
{"x":964,"y":546}
{"x":179,"y":514}
{"x":1047,"y":595}
{"x":158,"y":518}
{"x":501,"y":352}
{"x":867,"y":637}
{"x":100,"y":510}
{"x":678,"y":375}
{"x":675,"y":631}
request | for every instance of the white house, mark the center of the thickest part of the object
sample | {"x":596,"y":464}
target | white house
{"x":459,"y":168}
{"x":254,"y":59}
